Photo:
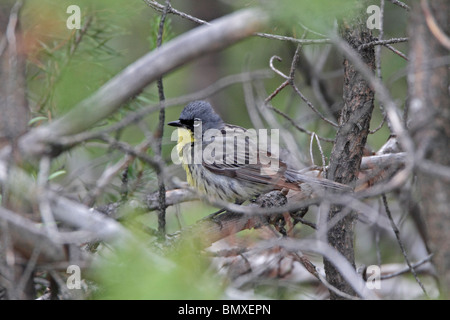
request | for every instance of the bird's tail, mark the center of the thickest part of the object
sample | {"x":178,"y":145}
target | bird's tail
{"x":315,"y":181}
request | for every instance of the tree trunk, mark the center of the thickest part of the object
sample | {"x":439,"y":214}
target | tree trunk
{"x":428,"y":80}
{"x":348,"y":148}
{"x":14,"y":113}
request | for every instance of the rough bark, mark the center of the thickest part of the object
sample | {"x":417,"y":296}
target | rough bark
{"x":430,"y":123}
{"x":348,"y":148}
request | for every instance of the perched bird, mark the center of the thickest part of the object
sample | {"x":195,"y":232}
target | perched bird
{"x":227,"y":162}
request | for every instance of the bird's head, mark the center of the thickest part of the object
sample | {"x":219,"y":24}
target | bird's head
{"x":195,"y":113}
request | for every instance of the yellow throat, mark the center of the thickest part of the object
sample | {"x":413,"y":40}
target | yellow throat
{"x":185,"y":136}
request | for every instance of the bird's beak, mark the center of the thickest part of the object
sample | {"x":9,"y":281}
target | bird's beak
{"x":176,"y":123}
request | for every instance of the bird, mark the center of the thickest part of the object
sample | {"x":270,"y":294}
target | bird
{"x":225,"y":162}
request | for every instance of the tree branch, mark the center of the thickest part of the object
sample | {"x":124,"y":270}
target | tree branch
{"x":160,"y":131}
{"x":109,"y":98}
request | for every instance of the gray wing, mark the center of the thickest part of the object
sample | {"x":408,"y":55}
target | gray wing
{"x":235,"y":152}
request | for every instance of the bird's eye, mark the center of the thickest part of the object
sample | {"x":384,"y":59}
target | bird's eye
{"x":197,"y":122}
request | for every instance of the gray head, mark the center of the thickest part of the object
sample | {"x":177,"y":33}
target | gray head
{"x":198,"y":111}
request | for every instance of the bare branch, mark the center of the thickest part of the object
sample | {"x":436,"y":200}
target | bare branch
{"x":160,"y":130}
{"x":70,"y":141}
{"x":111,"y":171}
{"x":401,"y":4}
{"x":400,"y":242}
{"x":173,"y":197}
{"x":340,"y":262}
{"x":290,"y":81}
{"x":295,"y":40}
{"x":406,"y":269}
{"x":397,"y":52}
{"x":383,"y":160}
{"x":25,"y":234}
{"x":159,"y":7}
{"x":381,"y":42}
{"x":109,"y":98}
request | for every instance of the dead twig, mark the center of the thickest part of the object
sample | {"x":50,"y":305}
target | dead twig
{"x":160,"y":130}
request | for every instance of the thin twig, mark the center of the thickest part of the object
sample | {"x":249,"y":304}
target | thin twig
{"x":290,"y":81}
{"x":71,"y":141}
{"x":336,"y":290}
{"x":381,"y":123}
{"x":381,"y":42}
{"x":318,"y":84}
{"x":341,"y":263}
{"x":110,"y":172}
{"x":137,"y":151}
{"x":311,"y":155}
{"x":324,"y":166}
{"x":160,"y":130}
{"x":400,"y":242}
{"x":294,"y":123}
{"x":305,"y":222}
{"x":275,"y":69}
{"x":71,"y":52}
{"x":276,"y":91}
{"x":407,"y":268}
{"x":291,"y":39}
{"x":396,"y":51}
{"x":294,"y":63}
{"x":27,"y":273}
{"x":401,"y":4}
{"x":79,"y":37}
{"x":311,"y":106}
{"x":250,"y":103}
{"x":312,"y":31}
{"x":311,"y":268}
{"x":159,"y":7}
